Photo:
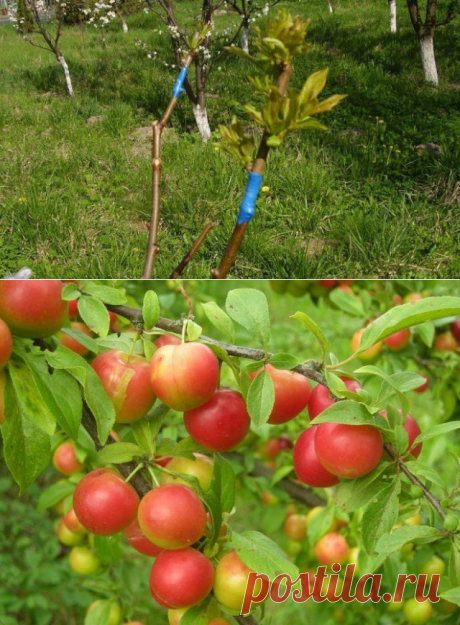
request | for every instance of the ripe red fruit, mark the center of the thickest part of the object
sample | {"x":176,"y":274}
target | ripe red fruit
{"x":285,"y":442}
{"x":348,"y":451}
{"x":184,"y":376}
{"x":455,"y":329}
{"x":71,"y":343}
{"x":104,"y":503}
{"x":332,"y":548}
{"x":139,"y":541}
{"x":307,"y":466}
{"x":221,"y":423}
{"x":292,"y":392}
{"x":320,"y":397}
{"x":166,"y":339}
{"x":65,"y":459}
{"x":444,"y":342}
{"x":72,"y":523}
{"x":73,"y":309}
{"x":172,"y":516}
{"x":346,"y":281}
{"x":181,"y":578}
{"x":33,"y":308}
{"x":270,"y":449}
{"x":398,"y":340}
{"x":327,"y":284}
{"x":425,"y":385}
{"x":413,"y":430}
{"x":6,"y":343}
{"x":125,"y":378}
{"x":2,"y":390}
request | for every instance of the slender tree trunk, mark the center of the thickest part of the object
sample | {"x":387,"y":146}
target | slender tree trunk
{"x":392,"y":7}
{"x":245,"y":37}
{"x":124,"y":25}
{"x":199,"y":105}
{"x":329,"y":4}
{"x":65,"y":67}
{"x":428,"y":59}
{"x":201,"y":118}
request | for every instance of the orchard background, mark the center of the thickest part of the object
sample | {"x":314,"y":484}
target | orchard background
{"x":375,"y":195}
{"x":385,"y":521}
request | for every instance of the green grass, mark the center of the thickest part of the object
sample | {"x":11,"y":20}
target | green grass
{"x":356,"y":201}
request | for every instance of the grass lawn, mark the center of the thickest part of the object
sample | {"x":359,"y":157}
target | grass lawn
{"x":357,"y":200}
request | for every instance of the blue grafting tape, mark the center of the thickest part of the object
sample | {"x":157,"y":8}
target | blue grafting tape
{"x":177,"y":89}
{"x":248,"y":205}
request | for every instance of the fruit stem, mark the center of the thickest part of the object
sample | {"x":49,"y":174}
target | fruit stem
{"x":133,"y":473}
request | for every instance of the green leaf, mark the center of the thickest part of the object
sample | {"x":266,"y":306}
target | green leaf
{"x":70,"y":292}
{"x":108,"y":549}
{"x":94,"y":314}
{"x":83,"y":339}
{"x":407,"y":315}
{"x":116,"y":453}
{"x":452,"y":595}
{"x":196,"y":615}
{"x":106,"y":294}
{"x":53,"y":494}
{"x":282,"y":361}
{"x":393,"y":542}
{"x":347,"y":302}
{"x":194,"y":331}
{"x":379,"y":517}
{"x":143,"y":435}
{"x":281,"y":473}
{"x":263,"y":555}
{"x":426,"y":332}
{"x":353,"y":494}
{"x":260,"y":398}
{"x":249,"y":308}
{"x":312,"y":327}
{"x":95,"y":396}
{"x":320,"y":524}
{"x":27,"y":448}
{"x":437,"y":430}
{"x":99,"y":615}
{"x":225,"y":481}
{"x":220,"y":320}
{"x":346,"y":411}
{"x":150,"y":309}
{"x":31,"y":403}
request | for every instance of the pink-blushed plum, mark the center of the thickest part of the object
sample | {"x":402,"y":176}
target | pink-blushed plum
{"x":33,"y":308}
{"x":321,"y":398}
{"x":348,"y":451}
{"x":139,"y":541}
{"x":181,"y":578}
{"x":65,"y":459}
{"x":231,"y":580}
{"x":83,"y":561}
{"x":67,"y":537}
{"x":172,"y":516}
{"x":295,"y":527}
{"x":72,"y":523}
{"x":455,"y":328}
{"x":332,"y":548}
{"x":327,"y":284}
{"x":72,"y":343}
{"x":445,"y":342}
{"x":184,"y":376}
{"x":398,"y":340}
{"x":221,"y":423}
{"x":413,"y":430}
{"x":307,"y":466}
{"x":424,"y":385}
{"x":368,"y":354}
{"x":166,"y":339}
{"x":201,"y":468}
{"x":292,"y":392}
{"x":104,"y":503}
{"x":73,"y":309}
{"x":6,"y":343}
{"x":126,"y":380}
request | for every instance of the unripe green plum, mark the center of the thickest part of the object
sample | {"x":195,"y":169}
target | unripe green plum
{"x":33,"y":308}
{"x":67,"y":537}
{"x":115,"y":613}
{"x":201,"y":468}
{"x":83,"y":561}
{"x":432,"y":567}
{"x":451,"y":522}
{"x":417,"y":613}
{"x":293,"y":548}
{"x":231,"y":580}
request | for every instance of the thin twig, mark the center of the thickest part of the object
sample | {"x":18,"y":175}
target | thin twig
{"x":193,"y":250}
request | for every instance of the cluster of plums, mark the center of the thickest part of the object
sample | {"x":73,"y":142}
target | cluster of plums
{"x":316,"y":288}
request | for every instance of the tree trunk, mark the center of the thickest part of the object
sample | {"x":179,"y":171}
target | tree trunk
{"x":331,"y":8}
{"x":201,"y":118}
{"x":428,"y":58}
{"x":124,"y":25}
{"x":392,"y":7}
{"x":245,"y":38}
{"x":65,"y":67}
